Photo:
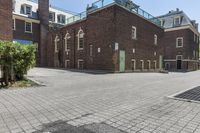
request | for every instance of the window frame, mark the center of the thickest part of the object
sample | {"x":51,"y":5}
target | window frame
{"x":155,"y":39}
{"x":80,"y":36}
{"x":177,"y":41}
{"x":142,"y":64}
{"x":66,"y":64}
{"x":54,"y":15}
{"x":31,"y":26}
{"x":14,"y":24}
{"x":80,"y":60}
{"x":133,"y":67}
{"x":56,"y":40}
{"x":149,"y":64}
{"x":179,"y":20}
{"x":134,"y":34}
{"x":91,"y":50}
{"x":61,"y":15}
{"x":67,"y":37}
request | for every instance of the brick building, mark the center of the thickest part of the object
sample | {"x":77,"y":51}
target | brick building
{"x":112,"y":35}
{"x":181,"y":41}
{"x":31,"y":22}
{"x":119,"y":36}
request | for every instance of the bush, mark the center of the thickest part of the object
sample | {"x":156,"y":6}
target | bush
{"x":16,"y":59}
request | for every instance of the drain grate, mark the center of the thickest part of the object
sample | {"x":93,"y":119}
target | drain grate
{"x":193,"y":94}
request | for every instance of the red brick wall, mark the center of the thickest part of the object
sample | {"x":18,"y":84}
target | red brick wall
{"x":6,"y":20}
{"x":144,"y":44}
{"x":187,"y":50}
{"x":102,"y":29}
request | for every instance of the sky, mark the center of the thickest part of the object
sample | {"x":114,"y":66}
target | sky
{"x":154,"y":7}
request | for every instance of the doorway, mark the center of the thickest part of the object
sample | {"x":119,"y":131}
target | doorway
{"x":122,"y":61}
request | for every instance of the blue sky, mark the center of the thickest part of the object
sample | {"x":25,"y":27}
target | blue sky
{"x":154,"y":7}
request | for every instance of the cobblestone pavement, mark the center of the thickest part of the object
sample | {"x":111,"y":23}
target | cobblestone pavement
{"x":130,"y":102}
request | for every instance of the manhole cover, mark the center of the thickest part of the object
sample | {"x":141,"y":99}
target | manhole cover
{"x":190,"y":95}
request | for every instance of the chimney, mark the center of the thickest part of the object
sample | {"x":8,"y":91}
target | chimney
{"x":6,"y":22}
{"x":43,"y":10}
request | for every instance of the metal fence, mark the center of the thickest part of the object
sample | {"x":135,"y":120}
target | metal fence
{"x":124,"y":3}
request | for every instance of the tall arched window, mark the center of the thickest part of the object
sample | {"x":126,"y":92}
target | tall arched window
{"x":67,"y":37}
{"x":155,"y":39}
{"x":56,"y":43}
{"x":80,"y":39}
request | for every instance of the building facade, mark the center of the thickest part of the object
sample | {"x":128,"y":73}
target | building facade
{"x":111,"y":38}
{"x":112,"y":35}
{"x":31,"y":22}
{"x":181,"y":41}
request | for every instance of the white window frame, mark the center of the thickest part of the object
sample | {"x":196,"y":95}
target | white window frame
{"x":80,"y":35}
{"x":14,"y":24}
{"x":179,"y":21}
{"x":162,"y":22}
{"x":61,"y":15}
{"x":155,"y":39}
{"x":25,"y":9}
{"x":134,"y":66}
{"x":31,"y":27}
{"x":54,"y":16}
{"x":149,"y":62}
{"x":142,"y":64}
{"x":177,"y":42}
{"x":67,"y":37}
{"x":179,"y":56}
{"x":134,"y":35}
{"x":80,"y":60}
{"x":66,"y":62}
{"x":56,"y":44}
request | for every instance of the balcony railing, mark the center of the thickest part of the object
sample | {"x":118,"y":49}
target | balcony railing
{"x":124,"y":3}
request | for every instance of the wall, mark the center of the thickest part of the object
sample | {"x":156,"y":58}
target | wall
{"x":6,"y":20}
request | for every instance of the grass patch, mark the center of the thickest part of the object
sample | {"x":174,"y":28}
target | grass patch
{"x":20,"y":84}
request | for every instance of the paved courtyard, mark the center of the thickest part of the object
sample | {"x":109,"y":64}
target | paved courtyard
{"x":128,"y":103}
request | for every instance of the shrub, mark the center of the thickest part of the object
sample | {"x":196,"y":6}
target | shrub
{"x":16,"y":59}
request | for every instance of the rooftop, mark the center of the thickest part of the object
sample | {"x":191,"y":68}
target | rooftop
{"x":128,"y":4}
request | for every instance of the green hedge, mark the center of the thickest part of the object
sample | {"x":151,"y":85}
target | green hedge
{"x":16,"y":59}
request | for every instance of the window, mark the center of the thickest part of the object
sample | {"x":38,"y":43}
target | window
{"x":133,"y":64}
{"x":194,"y":54}
{"x":52,"y":16}
{"x":56,"y":43}
{"x":80,"y":64}
{"x":14,"y":24}
{"x":28,"y":27}
{"x":91,"y":50}
{"x":155,"y":39}
{"x":26,"y":9}
{"x":149,"y":64}
{"x":134,"y":32}
{"x":162,"y":23}
{"x":194,"y":37}
{"x":61,"y":19}
{"x":177,"y":21}
{"x":67,"y":37}
{"x":179,"y":42}
{"x":80,"y":39}
{"x":142,"y":64}
{"x":67,"y":63}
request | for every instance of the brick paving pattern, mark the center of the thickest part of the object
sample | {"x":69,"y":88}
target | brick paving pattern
{"x":130,"y":102}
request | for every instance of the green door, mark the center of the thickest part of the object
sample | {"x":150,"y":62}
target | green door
{"x":122,"y":61}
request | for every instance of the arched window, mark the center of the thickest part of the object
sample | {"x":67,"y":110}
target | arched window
{"x":56,"y":43}
{"x":80,"y":39}
{"x":155,"y":39}
{"x":67,"y":37}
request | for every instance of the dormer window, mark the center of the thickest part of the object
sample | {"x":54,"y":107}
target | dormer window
{"x":177,"y":21}
{"x":162,"y":23}
{"x":26,"y":9}
{"x":61,"y":19}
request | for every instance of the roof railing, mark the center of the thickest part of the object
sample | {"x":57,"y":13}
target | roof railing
{"x":128,"y":4}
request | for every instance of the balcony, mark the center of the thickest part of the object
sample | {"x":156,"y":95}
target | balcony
{"x":129,"y":5}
